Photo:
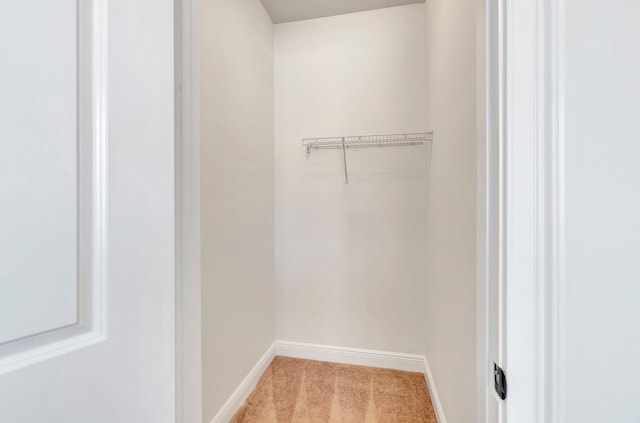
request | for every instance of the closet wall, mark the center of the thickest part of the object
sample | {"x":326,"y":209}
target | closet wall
{"x":450,"y":301}
{"x":237,"y":192}
{"x":350,"y":259}
{"x":386,"y":262}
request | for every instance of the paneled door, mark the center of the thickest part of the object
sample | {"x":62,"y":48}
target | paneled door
{"x":86,"y":211}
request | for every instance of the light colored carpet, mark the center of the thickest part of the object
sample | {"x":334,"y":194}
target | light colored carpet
{"x":302,"y":391}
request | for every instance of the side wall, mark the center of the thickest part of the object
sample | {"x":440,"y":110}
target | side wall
{"x":237,"y":193}
{"x":350,"y":259}
{"x":450,"y":326}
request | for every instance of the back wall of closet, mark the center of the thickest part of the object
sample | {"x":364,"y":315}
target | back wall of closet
{"x":350,"y":259}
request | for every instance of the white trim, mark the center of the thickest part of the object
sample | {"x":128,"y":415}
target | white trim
{"x":355,"y":356}
{"x":556,"y":284}
{"x":550,"y":32}
{"x":433,"y":392}
{"x":522,"y":207}
{"x":72,"y":340}
{"x":99,"y":323}
{"x":331,"y":354}
{"x":534,"y":205}
{"x":490,"y":213}
{"x":363,"y":357}
{"x":240,"y":395}
{"x":91,"y":327}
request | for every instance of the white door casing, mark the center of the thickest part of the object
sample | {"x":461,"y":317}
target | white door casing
{"x":188,"y":289}
{"x":58,"y":361}
{"x":531,"y":207}
{"x":490,"y":210}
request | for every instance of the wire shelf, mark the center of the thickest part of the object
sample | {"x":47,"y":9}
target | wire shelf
{"x":365,"y":141}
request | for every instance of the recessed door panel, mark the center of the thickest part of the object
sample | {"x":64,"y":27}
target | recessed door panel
{"x":38,"y":167}
{"x":103,"y":263}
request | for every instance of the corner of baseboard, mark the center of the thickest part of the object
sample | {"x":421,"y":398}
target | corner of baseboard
{"x":433,"y":392}
{"x":242,"y":392}
{"x":360,"y":357}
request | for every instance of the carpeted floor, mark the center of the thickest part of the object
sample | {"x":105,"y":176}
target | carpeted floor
{"x":303,"y":391}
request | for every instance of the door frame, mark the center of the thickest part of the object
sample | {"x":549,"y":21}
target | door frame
{"x":189,"y":404}
{"x":488,"y":179}
{"x":520,"y":206}
{"x":519,"y":196}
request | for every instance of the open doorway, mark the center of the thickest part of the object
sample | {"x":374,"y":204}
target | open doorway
{"x":316,"y":266}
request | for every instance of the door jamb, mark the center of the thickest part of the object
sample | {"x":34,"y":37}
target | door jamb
{"x":189,"y":403}
{"x":188,"y":307}
{"x":530,"y":208}
{"x":489,"y":208}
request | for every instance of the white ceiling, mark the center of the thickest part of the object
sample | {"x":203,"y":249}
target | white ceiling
{"x":296,"y":10}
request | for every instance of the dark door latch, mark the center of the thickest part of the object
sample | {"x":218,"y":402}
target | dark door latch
{"x":500,"y":381}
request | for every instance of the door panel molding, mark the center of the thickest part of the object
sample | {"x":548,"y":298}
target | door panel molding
{"x":91,"y":325}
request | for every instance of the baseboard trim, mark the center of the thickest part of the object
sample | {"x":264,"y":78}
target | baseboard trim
{"x":332,"y":354}
{"x":435,"y":399}
{"x":359,"y":357}
{"x":362,"y":357}
{"x":241,"y":393}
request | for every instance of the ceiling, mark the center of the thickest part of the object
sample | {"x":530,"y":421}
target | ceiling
{"x":296,"y":10}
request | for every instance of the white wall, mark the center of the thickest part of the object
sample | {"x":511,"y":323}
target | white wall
{"x":600,"y":308}
{"x":450,"y":323}
{"x":237,"y":193}
{"x":350,"y":259}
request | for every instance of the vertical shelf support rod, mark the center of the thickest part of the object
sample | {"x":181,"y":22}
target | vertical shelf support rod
{"x":344,"y":156}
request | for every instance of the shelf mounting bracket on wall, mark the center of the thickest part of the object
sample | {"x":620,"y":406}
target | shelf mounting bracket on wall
{"x":365,"y":141}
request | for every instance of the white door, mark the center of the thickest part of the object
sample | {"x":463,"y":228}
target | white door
{"x":573,"y":233}
{"x":86,"y":212}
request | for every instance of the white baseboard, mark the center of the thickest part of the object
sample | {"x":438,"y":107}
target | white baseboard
{"x":361,"y":357}
{"x":358,"y":357}
{"x":332,"y":354}
{"x":435,"y":399}
{"x":240,"y":395}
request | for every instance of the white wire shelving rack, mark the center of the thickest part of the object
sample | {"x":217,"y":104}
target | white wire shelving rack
{"x":365,"y":141}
